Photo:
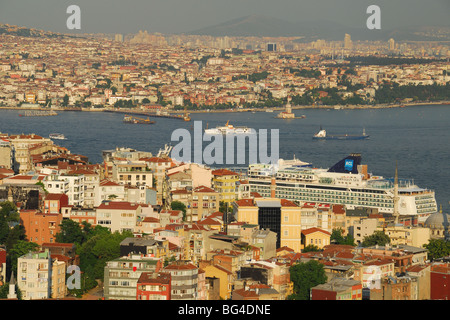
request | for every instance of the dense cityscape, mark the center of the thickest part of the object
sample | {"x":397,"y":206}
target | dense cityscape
{"x":145,"y":226}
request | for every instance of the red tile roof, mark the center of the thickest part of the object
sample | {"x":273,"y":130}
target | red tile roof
{"x":118,"y":205}
{"x":223,"y":172}
{"x":312,"y":230}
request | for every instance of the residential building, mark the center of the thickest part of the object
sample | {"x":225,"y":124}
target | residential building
{"x":184,"y":280}
{"x":154,"y":286}
{"x":40,"y":227}
{"x":279,"y":215}
{"x":225,"y":182}
{"x":121,"y":275}
{"x":337,"y":289}
{"x":54,"y":202}
{"x":440,"y":281}
{"x":118,"y":215}
{"x":34,"y":275}
{"x":315,"y":237}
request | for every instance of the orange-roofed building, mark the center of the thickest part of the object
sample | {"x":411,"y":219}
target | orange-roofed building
{"x":315,"y":236}
{"x":184,"y":280}
{"x":225,"y":182}
{"x":54,"y":202}
{"x":40,"y":227}
{"x":153,"y":286}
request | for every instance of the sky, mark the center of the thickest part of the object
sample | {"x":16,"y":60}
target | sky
{"x":179,"y":16}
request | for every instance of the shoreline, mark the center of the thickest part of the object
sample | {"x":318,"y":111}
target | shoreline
{"x":298,"y":107}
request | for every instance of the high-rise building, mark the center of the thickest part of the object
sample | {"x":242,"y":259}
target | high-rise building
{"x":348,"y":41}
{"x":271,"y":47}
{"x":391,"y":44}
{"x":118,"y":37}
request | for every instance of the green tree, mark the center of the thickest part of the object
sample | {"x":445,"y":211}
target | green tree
{"x":178,"y":205}
{"x":306,"y":275}
{"x":70,"y":232}
{"x":97,"y":250}
{"x":21,"y":248}
{"x":377,"y":238}
{"x":311,"y":248}
{"x":338,"y":237}
{"x":438,"y":248}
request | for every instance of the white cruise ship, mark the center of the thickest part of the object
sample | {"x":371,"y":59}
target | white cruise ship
{"x":347,"y":182}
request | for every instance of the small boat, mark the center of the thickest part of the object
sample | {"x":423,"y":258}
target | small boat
{"x":136,"y":120}
{"x":57,"y":136}
{"x":322,"y":135}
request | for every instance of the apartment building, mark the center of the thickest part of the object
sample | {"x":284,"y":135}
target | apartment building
{"x":132,"y":173}
{"x":40,"y":227}
{"x":118,"y":215}
{"x":278,"y":215}
{"x":40,"y":277}
{"x":184,"y":280}
{"x":154,"y":286}
{"x":121,"y":275}
{"x":225,"y":182}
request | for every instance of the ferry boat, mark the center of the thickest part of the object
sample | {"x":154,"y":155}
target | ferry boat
{"x":229,"y":129}
{"x":322,"y":135}
{"x":347,"y":183}
{"x":57,"y":136}
{"x":136,"y":120}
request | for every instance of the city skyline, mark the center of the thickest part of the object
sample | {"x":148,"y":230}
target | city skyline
{"x":176,"y":16}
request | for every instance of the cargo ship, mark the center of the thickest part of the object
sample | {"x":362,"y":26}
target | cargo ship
{"x":136,"y":120}
{"x":322,"y":135}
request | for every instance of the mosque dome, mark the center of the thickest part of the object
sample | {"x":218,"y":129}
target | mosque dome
{"x":438,"y":220}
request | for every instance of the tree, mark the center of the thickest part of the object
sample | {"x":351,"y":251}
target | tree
{"x":306,"y":275}
{"x":103,"y":246}
{"x":377,"y":238}
{"x":70,"y":232}
{"x":438,"y":248}
{"x":21,"y":248}
{"x":178,"y":205}
{"x":311,"y":248}
{"x":338,"y":238}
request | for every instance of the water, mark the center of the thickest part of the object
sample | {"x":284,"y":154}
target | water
{"x":417,"y":137}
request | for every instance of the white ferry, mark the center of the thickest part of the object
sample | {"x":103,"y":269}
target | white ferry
{"x":229,"y":129}
{"x":347,"y":182}
{"x":57,"y":136}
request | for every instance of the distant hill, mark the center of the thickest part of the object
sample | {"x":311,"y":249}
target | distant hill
{"x":263,"y":26}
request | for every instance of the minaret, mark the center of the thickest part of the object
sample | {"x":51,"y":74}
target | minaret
{"x":396,"y":198}
{"x":12,"y":288}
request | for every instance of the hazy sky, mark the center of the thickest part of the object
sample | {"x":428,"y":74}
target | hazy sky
{"x":177,"y":16}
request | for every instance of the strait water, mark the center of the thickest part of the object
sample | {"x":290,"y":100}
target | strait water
{"x":418,"y":137}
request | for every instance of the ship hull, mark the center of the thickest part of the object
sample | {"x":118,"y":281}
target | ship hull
{"x":343,"y":137}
